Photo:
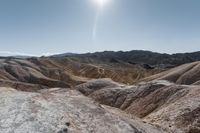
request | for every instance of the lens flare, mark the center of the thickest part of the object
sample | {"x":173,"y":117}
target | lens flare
{"x":100,"y":4}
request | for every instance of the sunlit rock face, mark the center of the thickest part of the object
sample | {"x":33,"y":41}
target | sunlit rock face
{"x":62,"y":111}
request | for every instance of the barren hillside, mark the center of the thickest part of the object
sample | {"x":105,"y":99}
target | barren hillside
{"x":174,"y":108}
{"x":37,"y":73}
{"x":49,"y":96}
{"x":187,"y":74}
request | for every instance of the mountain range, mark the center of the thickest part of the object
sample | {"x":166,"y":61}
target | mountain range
{"x":139,"y":56}
{"x":102,"y":92}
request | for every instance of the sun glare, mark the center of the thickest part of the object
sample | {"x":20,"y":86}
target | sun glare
{"x":101,"y":3}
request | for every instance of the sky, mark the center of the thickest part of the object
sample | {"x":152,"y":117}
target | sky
{"x":43,"y":27}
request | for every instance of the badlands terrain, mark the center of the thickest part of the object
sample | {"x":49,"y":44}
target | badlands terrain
{"x":105,"y":92}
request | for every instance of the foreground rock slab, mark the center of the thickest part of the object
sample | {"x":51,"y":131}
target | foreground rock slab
{"x":62,"y":111}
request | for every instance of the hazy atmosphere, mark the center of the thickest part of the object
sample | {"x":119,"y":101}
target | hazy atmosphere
{"x":38,"y":27}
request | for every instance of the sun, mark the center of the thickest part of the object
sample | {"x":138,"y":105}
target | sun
{"x":101,"y":3}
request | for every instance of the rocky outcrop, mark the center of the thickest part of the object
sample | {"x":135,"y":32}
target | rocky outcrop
{"x":63,"y":111}
{"x":173,"y":107}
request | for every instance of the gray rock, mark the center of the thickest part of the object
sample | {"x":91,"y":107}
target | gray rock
{"x":48,"y":111}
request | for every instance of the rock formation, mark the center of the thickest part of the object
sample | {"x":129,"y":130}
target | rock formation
{"x":174,"y":108}
{"x":63,"y":111}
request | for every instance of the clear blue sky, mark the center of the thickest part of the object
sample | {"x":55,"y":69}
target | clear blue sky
{"x":57,"y":26}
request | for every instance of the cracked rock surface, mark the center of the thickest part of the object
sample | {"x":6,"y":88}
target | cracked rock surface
{"x":63,"y":111}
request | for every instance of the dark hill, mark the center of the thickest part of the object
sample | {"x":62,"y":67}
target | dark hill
{"x":140,"y":57}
